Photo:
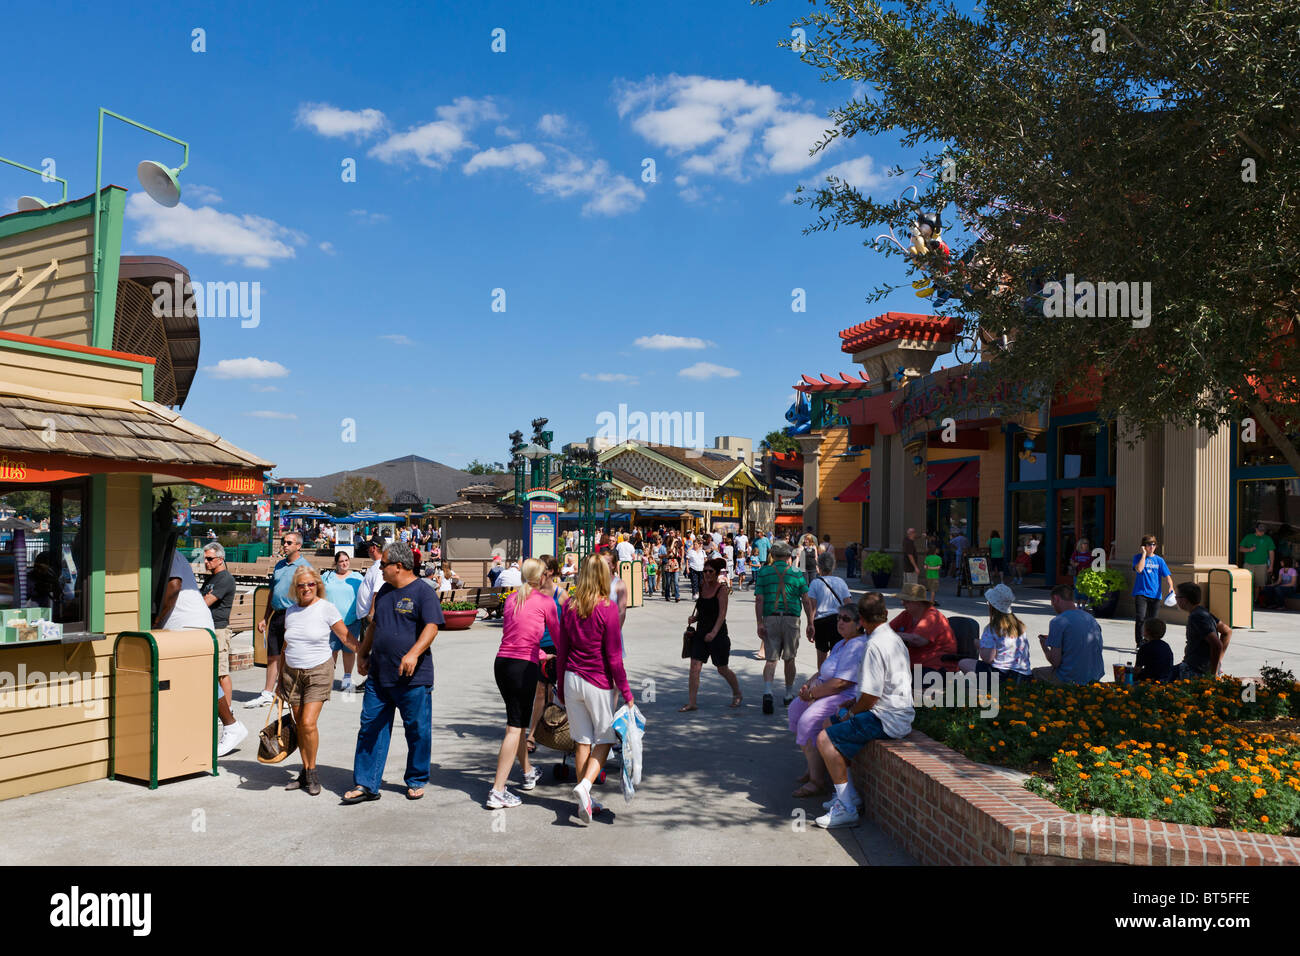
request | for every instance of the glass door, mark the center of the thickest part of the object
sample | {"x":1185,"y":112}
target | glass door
{"x":1083,"y":514}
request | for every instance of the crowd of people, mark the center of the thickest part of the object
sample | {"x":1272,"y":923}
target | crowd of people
{"x":562,"y":642}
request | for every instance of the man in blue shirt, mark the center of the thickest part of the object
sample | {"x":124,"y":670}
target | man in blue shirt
{"x":272,"y":625}
{"x":1151,"y":582}
{"x":761,"y":545}
{"x":1072,"y":643}
{"x":396,"y":656}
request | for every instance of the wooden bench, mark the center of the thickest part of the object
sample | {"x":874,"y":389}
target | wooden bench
{"x":490,"y":600}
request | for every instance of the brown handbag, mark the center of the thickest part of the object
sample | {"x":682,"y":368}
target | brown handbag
{"x":553,"y":729}
{"x":279,"y":738}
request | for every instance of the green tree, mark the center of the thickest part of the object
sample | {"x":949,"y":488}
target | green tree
{"x":356,"y":492}
{"x":1146,"y":141}
{"x":477,"y":467}
{"x":778,"y":441}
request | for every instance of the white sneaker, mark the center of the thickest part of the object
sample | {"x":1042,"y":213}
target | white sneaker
{"x":583,"y":796}
{"x":840,"y":816}
{"x":500,"y":800}
{"x":530,"y":779}
{"x":231,"y":737}
{"x":347,"y":683}
{"x":261,"y":700}
{"x":857,"y":801}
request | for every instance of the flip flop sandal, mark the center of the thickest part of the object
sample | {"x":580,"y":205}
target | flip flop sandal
{"x":810,"y":790}
{"x":412,"y":795}
{"x":363,"y":797}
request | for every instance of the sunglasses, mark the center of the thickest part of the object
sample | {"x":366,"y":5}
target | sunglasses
{"x":849,"y":618}
{"x":309,"y":584}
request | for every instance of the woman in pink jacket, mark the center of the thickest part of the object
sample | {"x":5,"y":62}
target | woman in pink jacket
{"x":590,"y":679}
{"x":528,"y":614}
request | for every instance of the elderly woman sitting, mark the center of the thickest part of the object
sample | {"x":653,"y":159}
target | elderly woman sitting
{"x":836,"y":684}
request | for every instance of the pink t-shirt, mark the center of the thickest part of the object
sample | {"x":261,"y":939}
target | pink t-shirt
{"x":522,"y":628}
{"x":592,"y":647}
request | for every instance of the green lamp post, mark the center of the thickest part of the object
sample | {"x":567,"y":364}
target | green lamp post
{"x":160,"y":182}
{"x":28,"y":203}
{"x":587,"y":482}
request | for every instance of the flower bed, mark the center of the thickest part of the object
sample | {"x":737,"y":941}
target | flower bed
{"x":1189,"y":752}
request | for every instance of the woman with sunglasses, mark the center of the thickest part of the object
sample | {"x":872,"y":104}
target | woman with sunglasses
{"x":836,"y":684}
{"x":308,"y":674}
{"x":711,"y":641}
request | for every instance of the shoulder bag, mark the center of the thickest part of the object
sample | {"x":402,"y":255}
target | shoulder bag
{"x":279,"y":738}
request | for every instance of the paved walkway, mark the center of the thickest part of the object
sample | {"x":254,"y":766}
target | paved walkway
{"x":716,"y":789}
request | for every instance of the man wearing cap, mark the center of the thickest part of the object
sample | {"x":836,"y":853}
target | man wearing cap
{"x":925,"y":631}
{"x":780,"y":591}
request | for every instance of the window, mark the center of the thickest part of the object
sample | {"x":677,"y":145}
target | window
{"x":1260,"y":452}
{"x":43,"y":551}
{"x":1276,"y":503}
{"x":1076,"y":450}
{"x":1029,"y":528}
{"x":1023,"y":468}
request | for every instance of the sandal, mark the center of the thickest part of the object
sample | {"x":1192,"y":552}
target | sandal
{"x":359,"y":795}
{"x":810,"y":790}
{"x":686,"y":707}
{"x":414,"y":794}
{"x":760,"y":655}
{"x":737,"y":701}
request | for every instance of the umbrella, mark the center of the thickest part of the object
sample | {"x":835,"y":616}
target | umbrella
{"x":15,"y":523}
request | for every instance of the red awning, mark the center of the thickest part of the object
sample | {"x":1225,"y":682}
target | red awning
{"x":789,"y":519}
{"x":859,"y":489}
{"x":953,"y":479}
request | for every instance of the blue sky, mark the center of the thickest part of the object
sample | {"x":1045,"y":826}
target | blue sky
{"x":475,"y":171}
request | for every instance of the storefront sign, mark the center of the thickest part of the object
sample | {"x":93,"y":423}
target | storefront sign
{"x":693,"y":493}
{"x":954,"y":394}
{"x":263,"y":517}
{"x":39,"y":468}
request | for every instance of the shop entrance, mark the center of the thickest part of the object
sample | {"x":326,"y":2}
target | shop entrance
{"x":1083,"y":513}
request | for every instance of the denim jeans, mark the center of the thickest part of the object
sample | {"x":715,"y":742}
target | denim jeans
{"x":377,"y":709}
{"x":1143,"y":608}
{"x":670,"y":585}
{"x":696,"y":579}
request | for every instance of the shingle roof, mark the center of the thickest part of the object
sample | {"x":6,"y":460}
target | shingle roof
{"x":419,"y":479}
{"x":127,"y":431}
{"x":899,"y":325}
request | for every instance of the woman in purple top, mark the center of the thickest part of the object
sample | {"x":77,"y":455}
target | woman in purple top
{"x":590,"y":676}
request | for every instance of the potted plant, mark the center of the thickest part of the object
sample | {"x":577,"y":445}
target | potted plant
{"x":1100,"y":590}
{"x":458,"y":615}
{"x":880,"y":566}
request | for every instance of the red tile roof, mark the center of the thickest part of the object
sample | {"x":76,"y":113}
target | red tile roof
{"x":899,"y":325}
{"x":828,"y":384}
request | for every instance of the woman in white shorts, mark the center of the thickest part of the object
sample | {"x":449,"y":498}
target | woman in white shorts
{"x":590,"y":679}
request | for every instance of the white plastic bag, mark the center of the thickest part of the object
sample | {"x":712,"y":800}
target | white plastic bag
{"x":629,"y":724}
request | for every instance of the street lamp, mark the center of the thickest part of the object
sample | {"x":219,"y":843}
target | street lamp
{"x":28,"y":203}
{"x":160,"y":182}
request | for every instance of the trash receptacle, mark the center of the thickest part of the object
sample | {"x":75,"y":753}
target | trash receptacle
{"x":164,"y":717}
{"x":261,"y":598}
{"x":1232,"y":596}
{"x":632,"y":574}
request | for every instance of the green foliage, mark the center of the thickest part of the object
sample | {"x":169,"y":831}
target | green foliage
{"x":778,"y":441}
{"x":1098,"y":586}
{"x":353,"y":492}
{"x":458,"y":605}
{"x":877,"y":562}
{"x":1140,"y":142}
{"x":477,"y":467}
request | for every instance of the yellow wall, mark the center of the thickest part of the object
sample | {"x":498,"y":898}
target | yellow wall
{"x":70,"y":374}
{"x":842,"y":520}
{"x":60,"y":307}
{"x":122,"y":556}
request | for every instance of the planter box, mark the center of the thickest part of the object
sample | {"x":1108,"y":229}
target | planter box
{"x":458,"y":620}
{"x":944,"y":809}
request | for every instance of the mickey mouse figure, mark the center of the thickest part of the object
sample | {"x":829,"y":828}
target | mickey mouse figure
{"x":927,"y":240}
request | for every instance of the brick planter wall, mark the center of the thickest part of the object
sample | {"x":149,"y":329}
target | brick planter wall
{"x":944,"y":808}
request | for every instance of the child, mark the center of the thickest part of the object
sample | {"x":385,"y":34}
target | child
{"x":741,"y":568}
{"x":1155,"y":659}
{"x":651,"y":569}
{"x":1022,"y":565}
{"x":933,"y":565}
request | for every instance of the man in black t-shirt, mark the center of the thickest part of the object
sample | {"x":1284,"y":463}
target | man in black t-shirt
{"x":219,"y":595}
{"x":1207,"y":637}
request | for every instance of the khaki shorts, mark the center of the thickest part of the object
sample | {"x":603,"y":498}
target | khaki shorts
{"x":223,"y":651}
{"x":910,"y":577}
{"x":307,"y":685}
{"x":1259,"y":574}
{"x":782,"y":638}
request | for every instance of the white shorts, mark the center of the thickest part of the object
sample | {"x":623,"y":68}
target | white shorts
{"x":591,"y":710}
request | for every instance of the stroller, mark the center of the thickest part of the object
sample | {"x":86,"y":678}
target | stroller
{"x":553,"y":728}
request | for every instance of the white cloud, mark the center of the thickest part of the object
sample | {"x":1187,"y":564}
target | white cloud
{"x":282,"y":416}
{"x":327,"y":248}
{"x":252,"y":240}
{"x":397,"y":339}
{"x":369,"y":218}
{"x":553,"y":124}
{"x":264,"y":388}
{"x":610,"y":377}
{"x":331,"y":121}
{"x":722,"y":127}
{"x":705,"y":370}
{"x":506,"y":132}
{"x":246,"y":368}
{"x":516,"y":156}
{"x":661,"y":341}
{"x":859,"y":173}
{"x":200,"y":195}
{"x":434,"y":143}
{"x":610,"y":193}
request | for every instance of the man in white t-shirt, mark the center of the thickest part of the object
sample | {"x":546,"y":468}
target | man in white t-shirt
{"x":742,"y":543}
{"x":695,"y":558}
{"x":883,"y":710}
{"x":182,"y":605}
{"x":625,"y":550}
{"x":511,"y":577}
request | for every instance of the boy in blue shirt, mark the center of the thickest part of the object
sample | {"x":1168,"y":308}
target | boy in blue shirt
{"x":1151,"y":582}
